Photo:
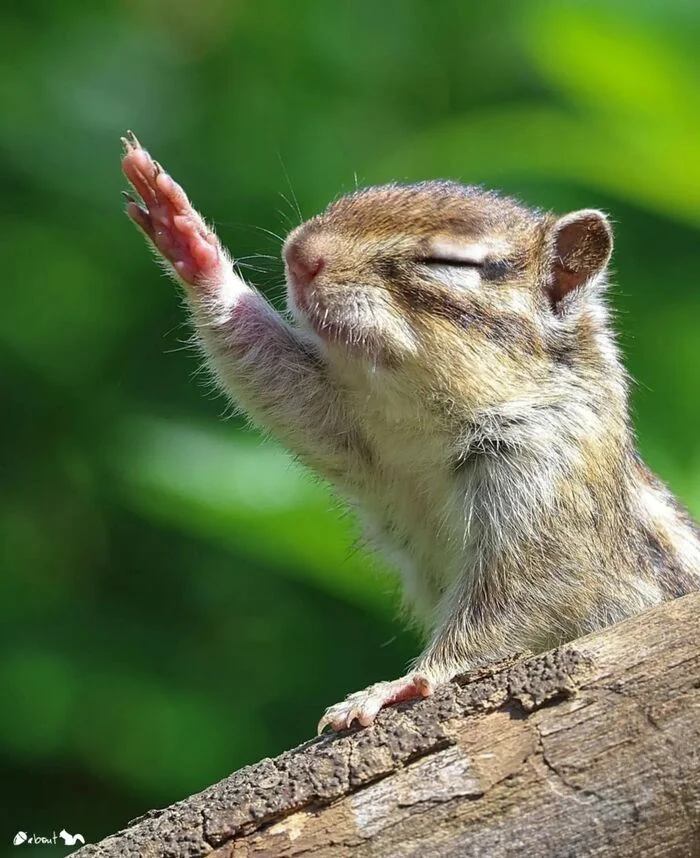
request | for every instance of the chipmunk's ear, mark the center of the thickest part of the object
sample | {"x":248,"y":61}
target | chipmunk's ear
{"x":580,"y":247}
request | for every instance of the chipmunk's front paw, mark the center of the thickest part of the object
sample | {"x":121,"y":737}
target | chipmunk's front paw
{"x":167,"y":217}
{"x":363,"y":706}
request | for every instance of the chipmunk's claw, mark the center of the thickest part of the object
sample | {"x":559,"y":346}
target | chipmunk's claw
{"x":130,"y":141}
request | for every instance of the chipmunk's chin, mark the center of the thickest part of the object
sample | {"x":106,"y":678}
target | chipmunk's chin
{"x":342,"y":321}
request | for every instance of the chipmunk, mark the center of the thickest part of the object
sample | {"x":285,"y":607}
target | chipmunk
{"x":451,"y":369}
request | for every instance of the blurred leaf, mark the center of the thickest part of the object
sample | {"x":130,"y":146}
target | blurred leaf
{"x":247,"y":494}
{"x":603,"y":57}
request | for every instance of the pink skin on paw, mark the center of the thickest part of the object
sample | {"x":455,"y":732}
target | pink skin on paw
{"x":363,"y":706}
{"x":168,"y":219}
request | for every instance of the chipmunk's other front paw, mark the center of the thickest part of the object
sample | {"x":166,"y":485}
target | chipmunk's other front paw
{"x":363,"y":706}
{"x":167,"y":217}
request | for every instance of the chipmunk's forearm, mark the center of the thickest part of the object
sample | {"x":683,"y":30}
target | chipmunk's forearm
{"x":274,"y":375}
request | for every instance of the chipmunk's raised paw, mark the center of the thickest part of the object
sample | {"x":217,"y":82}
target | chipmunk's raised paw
{"x":167,"y":217}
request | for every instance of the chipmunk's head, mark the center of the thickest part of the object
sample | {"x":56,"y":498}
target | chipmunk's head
{"x":453,"y":283}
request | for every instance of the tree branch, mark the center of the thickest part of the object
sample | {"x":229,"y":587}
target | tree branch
{"x":589,"y":750}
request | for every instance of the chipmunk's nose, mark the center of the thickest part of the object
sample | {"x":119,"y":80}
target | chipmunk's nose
{"x":304,"y":262}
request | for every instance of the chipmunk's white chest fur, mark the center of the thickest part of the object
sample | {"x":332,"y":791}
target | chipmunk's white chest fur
{"x":413,"y":499}
{"x":445,"y":510}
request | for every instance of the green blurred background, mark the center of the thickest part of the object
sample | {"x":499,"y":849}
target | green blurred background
{"x":177,"y":597}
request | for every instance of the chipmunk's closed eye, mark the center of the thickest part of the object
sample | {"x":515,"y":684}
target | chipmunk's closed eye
{"x":451,"y":261}
{"x":454,"y":255}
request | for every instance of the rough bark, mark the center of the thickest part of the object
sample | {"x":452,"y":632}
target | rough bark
{"x":589,"y":750}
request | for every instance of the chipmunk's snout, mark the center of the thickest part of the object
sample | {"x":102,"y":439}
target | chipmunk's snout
{"x":304,"y":260}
